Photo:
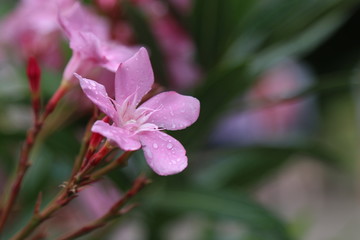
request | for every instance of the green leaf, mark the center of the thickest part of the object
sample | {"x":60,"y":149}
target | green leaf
{"x":241,"y":167}
{"x":300,"y":43}
{"x":278,"y":29}
{"x":223,"y":204}
{"x":213,"y":26}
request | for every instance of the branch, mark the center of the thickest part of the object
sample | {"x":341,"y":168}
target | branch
{"x":114,"y":212}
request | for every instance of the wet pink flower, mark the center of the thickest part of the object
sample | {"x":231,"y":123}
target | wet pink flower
{"x":89,"y":37}
{"x":138,"y":125}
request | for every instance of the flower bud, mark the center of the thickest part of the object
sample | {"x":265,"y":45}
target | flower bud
{"x":96,"y":138}
{"x":33,"y":72}
{"x":34,"y":75}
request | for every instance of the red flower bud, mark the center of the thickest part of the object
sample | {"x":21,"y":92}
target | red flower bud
{"x":34,"y":75}
{"x":96,"y":138}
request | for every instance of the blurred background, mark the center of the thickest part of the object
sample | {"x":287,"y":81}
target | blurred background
{"x":275,"y":152}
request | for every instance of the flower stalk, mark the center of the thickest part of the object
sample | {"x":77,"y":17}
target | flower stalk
{"x":70,"y":190}
{"x":24,"y":161}
{"x":115,"y":211}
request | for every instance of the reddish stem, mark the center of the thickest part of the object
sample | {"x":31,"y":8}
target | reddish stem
{"x":64,"y":197}
{"x":114,"y":212}
{"x":24,"y":162}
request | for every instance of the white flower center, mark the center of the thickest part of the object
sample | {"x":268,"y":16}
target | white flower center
{"x":134,"y":119}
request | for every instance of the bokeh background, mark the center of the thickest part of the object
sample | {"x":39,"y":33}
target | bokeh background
{"x":275,"y":152}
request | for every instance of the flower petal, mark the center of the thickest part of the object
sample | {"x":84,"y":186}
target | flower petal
{"x":116,"y":53}
{"x":134,"y":78}
{"x":79,"y":18}
{"x":98,"y":95}
{"x":172,"y":111}
{"x":164,"y":154}
{"x":120,"y":136}
{"x":88,"y":46}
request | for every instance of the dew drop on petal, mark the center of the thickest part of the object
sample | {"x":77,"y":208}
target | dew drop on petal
{"x":155,"y":146}
{"x":149,"y":155}
{"x":169,"y":146}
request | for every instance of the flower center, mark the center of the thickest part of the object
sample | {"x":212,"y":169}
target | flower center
{"x":134,"y":119}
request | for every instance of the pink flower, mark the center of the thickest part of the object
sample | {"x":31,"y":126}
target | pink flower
{"x":138,"y":125}
{"x":78,"y":18}
{"x":32,"y":30}
{"x":89,"y":37}
{"x":89,"y":51}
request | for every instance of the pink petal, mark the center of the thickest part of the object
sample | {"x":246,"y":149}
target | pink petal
{"x":78,"y":18}
{"x":98,"y":95}
{"x":88,"y":46}
{"x":134,"y":78}
{"x":173,"y":111}
{"x":93,"y":50}
{"x":164,"y":154}
{"x":120,"y":136}
{"x":116,"y":54}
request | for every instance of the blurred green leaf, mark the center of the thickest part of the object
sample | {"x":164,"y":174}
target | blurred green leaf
{"x":278,"y":29}
{"x":300,"y":43}
{"x":224,"y":204}
{"x":213,"y":26}
{"x":242,"y":166}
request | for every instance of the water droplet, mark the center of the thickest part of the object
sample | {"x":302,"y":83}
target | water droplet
{"x":169,"y":146}
{"x":155,"y":146}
